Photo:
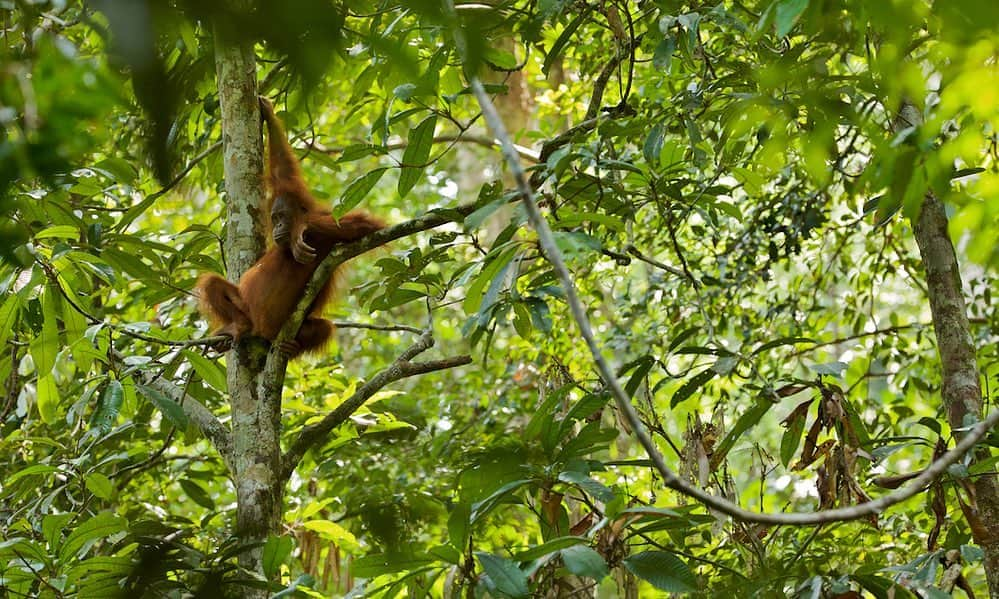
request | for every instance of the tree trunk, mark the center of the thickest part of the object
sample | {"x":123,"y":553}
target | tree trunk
{"x":256,"y":418}
{"x":961,"y":388}
{"x":962,"y":392}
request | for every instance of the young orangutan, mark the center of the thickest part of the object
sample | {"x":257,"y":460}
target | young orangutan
{"x":303,"y":233}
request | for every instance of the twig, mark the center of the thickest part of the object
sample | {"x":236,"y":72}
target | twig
{"x":401,"y":368}
{"x":670,"y":478}
{"x":341,"y":324}
{"x":210,"y":426}
{"x":481,"y":140}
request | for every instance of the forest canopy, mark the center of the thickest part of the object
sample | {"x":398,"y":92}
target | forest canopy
{"x":651,"y":298}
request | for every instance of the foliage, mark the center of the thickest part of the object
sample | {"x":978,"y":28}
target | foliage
{"x":735,"y":207}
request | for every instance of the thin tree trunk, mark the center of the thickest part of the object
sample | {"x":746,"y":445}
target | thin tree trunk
{"x":256,"y":422}
{"x":962,"y":392}
{"x":961,"y":389}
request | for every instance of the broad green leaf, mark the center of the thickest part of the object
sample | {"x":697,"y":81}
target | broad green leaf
{"x":53,"y":526}
{"x":334,"y":532}
{"x":504,"y":575}
{"x":792,"y":438}
{"x":475,"y":292}
{"x":29,"y":471}
{"x":197,"y":493}
{"x":653,"y":146}
{"x":58,"y":231}
{"x":9,"y":312}
{"x":501,"y":59}
{"x":788,"y":12}
{"x":209,"y":370}
{"x":379,"y":564}
{"x":414,"y":159}
{"x":48,"y":398}
{"x":172,"y":411}
{"x":748,"y":419}
{"x":83,"y":536}
{"x":481,"y":508}
{"x":693,"y":384}
{"x":46,"y":346}
{"x":564,"y":39}
{"x":662,"y":570}
{"x":584,"y":561}
{"x":779,"y":342}
{"x":110,"y":404}
{"x":587,"y":484}
{"x":99,"y":485}
{"x":458,"y":525}
{"x":276,"y":551}
{"x":358,"y":189}
{"x":548,"y":548}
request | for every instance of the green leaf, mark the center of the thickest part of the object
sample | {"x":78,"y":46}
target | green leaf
{"x":209,"y":370}
{"x":563,"y":39}
{"x":749,"y":418}
{"x":583,"y":561}
{"x":458,"y":525}
{"x":58,"y":231}
{"x":653,"y":146}
{"x":9,"y":311}
{"x":358,"y":189}
{"x":792,"y":438}
{"x":501,"y":59}
{"x":53,"y":525}
{"x":380,"y":564}
{"x":276,"y":551}
{"x":110,"y":404}
{"x":788,"y":12}
{"x":100,"y":526}
{"x":552,"y":546}
{"x":47,"y":393}
{"x":481,"y":508}
{"x":782,"y":341}
{"x":693,"y":384}
{"x":504,"y":575}
{"x":476,"y":291}
{"x":119,"y":169}
{"x":334,"y":532}
{"x":197,"y":493}
{"x":587,"y":484}
{"x":829,"y":368}
{"x":29,"y":471}
{"x":46,"y":346}
{"x":171,"y":410}
{"x":99,"y":485}
{"x":662,"y":570}
{"x":414,"y":159}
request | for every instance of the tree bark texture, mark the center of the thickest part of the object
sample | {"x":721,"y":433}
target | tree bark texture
{"x":961,"y":382}
{"x":962,"y":392}
{"x":256,"y":417}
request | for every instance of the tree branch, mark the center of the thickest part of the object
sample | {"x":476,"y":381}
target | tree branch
{"x":210,"y":426}
{"x":273,"y":377}
{"x":401,"y":368}
{"x":671,"y":479}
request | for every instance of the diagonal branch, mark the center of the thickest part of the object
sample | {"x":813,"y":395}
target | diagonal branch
{"x":401,"y":368}
{"x":272,"y":380}
{"x":623,"y":402}
{"x":210,"y":426}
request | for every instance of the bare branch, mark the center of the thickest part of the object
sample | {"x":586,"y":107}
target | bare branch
{"x":623,"y":402}
{"x":480,"y":140}
{"x":210,"y":426}
{"x":401,"y":368}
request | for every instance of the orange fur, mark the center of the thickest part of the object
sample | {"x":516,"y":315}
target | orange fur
{"x":270,"y":290}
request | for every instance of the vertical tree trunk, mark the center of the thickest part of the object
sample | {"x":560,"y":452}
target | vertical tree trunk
{"x":256,"y":422}
{"x":962,"y":391}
